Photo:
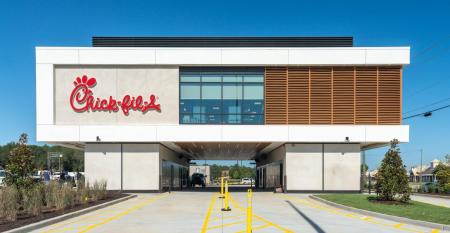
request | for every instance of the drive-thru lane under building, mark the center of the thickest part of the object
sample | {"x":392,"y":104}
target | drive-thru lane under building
{"x":141,"y":108}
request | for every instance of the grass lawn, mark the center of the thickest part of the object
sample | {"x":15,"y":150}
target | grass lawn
{"x":414,"y":210}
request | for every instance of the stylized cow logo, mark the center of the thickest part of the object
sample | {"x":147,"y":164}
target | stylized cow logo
{"x":82,"y":99}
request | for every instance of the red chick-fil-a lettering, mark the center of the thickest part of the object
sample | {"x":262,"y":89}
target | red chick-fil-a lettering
{"x":82,"y":100}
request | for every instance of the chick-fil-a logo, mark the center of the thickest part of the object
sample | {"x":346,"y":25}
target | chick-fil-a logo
{"x":82,"y":100}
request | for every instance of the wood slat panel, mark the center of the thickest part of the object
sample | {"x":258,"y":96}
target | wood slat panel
{"x":275,"y":95}
{"x":343,"y":95}
{"x":298,"y":95}
{"x":389,"y":95}
{"x":366,"y":96}
{"x":321,"y":88}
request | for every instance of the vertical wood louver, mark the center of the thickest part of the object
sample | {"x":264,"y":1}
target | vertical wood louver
{"x":389,"y":95}
{"x":275,"y":93}
{"x":366,"y":95}
{"x":298,"y":95}
{"x":333,"y":95}
{"x":343,"y":95}
{"x":321,"y":95}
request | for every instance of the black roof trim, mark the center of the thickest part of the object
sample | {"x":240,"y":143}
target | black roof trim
{"x":99,"y":41}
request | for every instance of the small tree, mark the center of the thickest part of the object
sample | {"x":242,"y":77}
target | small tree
{"x":442,"y":173}
{"x":392,"y":180}
{"x":19,"y":167}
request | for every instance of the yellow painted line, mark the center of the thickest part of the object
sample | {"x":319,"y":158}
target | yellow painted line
{"x":208,"y":214}
{"x":398,"y":225}
{"x":435,"y":231}
{"x":226,"y":217}
{"x":126,"y":212}
{"x":89,"y":217}
{"x":226,"y":225}
{"x":255,"y":228}
{"x":261,"y":218}
{"x":364,"y":218}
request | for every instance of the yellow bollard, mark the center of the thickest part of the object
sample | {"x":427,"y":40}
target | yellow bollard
{"x":226,"y":206}
{"x":249,"y":211}
{"x":221,"y":188}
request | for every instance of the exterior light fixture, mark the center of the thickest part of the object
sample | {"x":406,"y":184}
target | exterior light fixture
{"x":347,"y":139}
{"x":98,"y":139}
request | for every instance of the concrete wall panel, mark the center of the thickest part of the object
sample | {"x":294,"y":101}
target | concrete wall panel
{"x":102,"y":162}
{"x":141,"y":166}
{"x":342,"y":167}
{"x":304,"y":166}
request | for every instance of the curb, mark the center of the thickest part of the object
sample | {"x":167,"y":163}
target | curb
{"x":47,"y":222}
{"x":384,"y":216}
{"x":432,"y":196}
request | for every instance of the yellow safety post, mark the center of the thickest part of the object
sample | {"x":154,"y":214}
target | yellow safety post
{"x":221,"y":188}
{"x":249,"y":211}
{"x":226,"y":206}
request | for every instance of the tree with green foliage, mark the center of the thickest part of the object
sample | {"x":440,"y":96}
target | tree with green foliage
{"x":442,"y":173}
{"x":392,"y":179}
{"x":19,"y":166}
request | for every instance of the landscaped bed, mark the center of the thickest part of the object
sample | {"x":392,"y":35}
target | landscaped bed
{"x":412,"y":210}
{"x":20,"y":208}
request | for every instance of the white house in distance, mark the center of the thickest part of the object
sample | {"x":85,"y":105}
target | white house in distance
{"x":142,"y":107}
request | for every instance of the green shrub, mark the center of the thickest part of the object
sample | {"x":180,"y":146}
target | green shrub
{"x":9,"y":197}
{"x":32,"y":200}
{"x":99,"y":191}
{"x":392,"y":181}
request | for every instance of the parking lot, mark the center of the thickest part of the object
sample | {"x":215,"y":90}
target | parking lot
{"x":190,"y":211}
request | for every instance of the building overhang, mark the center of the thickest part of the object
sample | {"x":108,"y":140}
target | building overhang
{"x":364,"y":134}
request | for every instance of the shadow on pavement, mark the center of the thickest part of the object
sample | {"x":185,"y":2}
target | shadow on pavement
{"x":311,"y":222}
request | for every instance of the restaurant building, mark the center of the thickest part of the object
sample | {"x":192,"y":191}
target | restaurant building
{"x":141,"y":108}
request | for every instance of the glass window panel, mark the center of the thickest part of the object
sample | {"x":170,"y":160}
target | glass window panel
{"x":190,"y":91}
{"x":190,"y":78}
{"x":232,"y":78}
{"x":212,"y":91}
{"x":213,"y":119}
{"x":211,"y":78}
{"x":191,"y":119}
{"x":252,"y":119}
{"x":231,"y":106}
{"x":253,"y":107}
{"x":232,"y":91}
{"x":190,"y":106}
{"x":232,"y":119}
{"x":212,"y":106}
{"x":257,"y":78}
{"x":253,"y":92}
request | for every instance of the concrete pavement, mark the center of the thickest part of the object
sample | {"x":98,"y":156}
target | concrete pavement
{"x":200,"y":212}
{"x":432,"y":200}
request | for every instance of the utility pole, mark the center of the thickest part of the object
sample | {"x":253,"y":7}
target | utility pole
{"x":420,"y":175}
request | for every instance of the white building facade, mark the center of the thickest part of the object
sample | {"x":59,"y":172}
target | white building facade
{"x":142,"y":111}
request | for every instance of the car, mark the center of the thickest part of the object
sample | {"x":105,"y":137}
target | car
{"x":247,"y":181}
{"x":2,"y":177}
{"x":198,"y":179}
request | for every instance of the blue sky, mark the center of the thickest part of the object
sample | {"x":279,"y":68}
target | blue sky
{"x":423,"y":25}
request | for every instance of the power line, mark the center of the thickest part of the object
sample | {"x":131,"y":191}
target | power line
{"x":428,"y":105}
{"x":427,"y":113}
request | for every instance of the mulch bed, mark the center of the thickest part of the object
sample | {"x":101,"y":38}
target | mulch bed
{"x":25,"y":219}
